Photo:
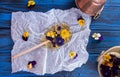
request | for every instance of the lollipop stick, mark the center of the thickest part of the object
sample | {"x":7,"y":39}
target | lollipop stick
{"x":29,"y":50}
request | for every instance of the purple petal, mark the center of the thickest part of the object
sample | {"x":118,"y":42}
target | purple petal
{"x":101,"y":38}
{"x":75,"y":56}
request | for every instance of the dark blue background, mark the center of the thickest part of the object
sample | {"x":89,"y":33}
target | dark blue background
{"x":108,"y":25}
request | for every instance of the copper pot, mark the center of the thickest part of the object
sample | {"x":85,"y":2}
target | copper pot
{"x":91,"y":7}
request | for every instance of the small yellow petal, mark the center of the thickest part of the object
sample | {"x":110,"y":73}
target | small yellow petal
{"x":25,"y":34}
{"x":51,"y":34}
{"x":31,"y":2}
{"x":107,"y":57}
{"x":81,"y":22}
{"x":72,"y":54}
{"x":48,"y":34}
{"x":29,"y":66}
{"x":94,"y":35}
{"x":65,"y":34}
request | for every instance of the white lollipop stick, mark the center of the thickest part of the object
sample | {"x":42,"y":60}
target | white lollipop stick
{"x":29,"y":50}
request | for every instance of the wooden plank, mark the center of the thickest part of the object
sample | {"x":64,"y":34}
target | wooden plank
{"x":108,"y":25}
{"x":37,"y":1}
{"x":89,"y":69}
{"x":6,"y":45}
{"x":108,"y":18}
{"x":111,"y":38}
{"x":47,"y":2}
{"x":41,"y":7}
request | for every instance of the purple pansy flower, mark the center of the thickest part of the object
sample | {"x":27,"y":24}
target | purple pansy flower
{"x":33,"y":63}
{"x":59,"y":28}
{"x":59,"y":41}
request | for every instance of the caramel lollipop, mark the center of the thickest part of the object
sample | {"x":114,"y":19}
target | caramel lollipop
{"x":55,"y":37}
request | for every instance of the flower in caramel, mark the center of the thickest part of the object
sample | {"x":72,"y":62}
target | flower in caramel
{"x":59,"y":41}
{"x":65,"y":34}
{"x":51,"y":34}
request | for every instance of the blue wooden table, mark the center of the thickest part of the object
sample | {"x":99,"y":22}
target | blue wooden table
{"x":108,"y":25}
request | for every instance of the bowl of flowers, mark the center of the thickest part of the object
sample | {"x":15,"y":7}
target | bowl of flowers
{"x":109,"y":62}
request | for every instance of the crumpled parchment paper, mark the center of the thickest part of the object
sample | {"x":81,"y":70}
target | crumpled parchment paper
{"x":49,"y":61}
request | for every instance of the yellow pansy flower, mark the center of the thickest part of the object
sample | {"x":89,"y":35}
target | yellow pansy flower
{"x":29,"y":66}
{"x":51,"y":34}
{"x":65,"y":34}
{"x":81,"y":22}
{"x":107,"y":57}
{"x":25,"y":36}
{"x":72,"y":54}
{"x":31,"y":3}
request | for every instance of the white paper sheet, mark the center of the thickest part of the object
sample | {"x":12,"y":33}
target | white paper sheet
{"x":49,"y":61}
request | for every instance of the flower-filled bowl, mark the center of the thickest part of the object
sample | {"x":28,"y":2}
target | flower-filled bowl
{"x":109,"y":63}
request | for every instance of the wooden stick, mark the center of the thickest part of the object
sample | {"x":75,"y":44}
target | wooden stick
{"x":29,"y":50}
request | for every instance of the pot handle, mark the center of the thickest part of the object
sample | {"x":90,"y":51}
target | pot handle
{"x":97,"y":15}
